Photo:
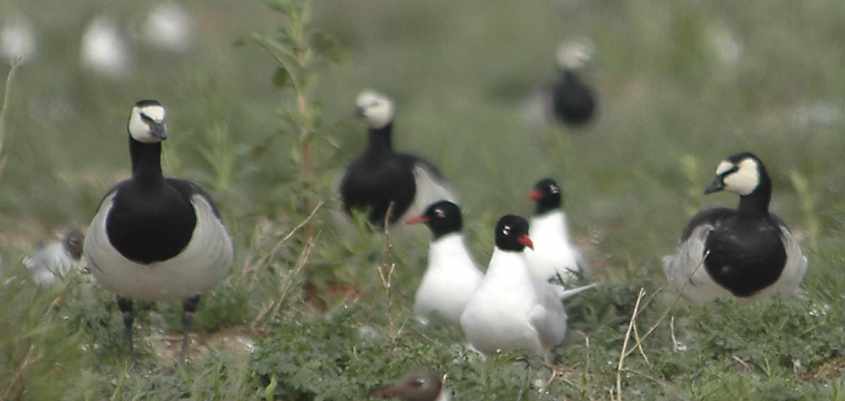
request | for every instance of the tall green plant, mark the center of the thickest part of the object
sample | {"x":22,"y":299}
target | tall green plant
{"x":298,"y":50}
{"x":4,"y":107}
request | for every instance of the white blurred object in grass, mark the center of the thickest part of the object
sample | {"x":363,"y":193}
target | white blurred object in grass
{"x":52,"y":261}
{"x":104,"y":50}
{"x":169,"y":27}
{"x":17,"y":39}
{"x":725,"y":44}
{"x":818,"y":114}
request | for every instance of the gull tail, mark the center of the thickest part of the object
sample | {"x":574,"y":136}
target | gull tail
{"x":564,"y":295}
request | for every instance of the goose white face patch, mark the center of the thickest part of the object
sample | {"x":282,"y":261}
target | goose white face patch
{"x":745,"y":179}
{"x":139,"y":129}
{"x":377,"y":108}
{"x":724,"y":166}
{"x":574,"y":54}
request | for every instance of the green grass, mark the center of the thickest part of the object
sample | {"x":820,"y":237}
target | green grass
{"x":671,"y":109}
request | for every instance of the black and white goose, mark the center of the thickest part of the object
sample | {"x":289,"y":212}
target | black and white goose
{"x":381,"y":176}
{"x":451,"y":276}
{"x":572,"y":101}
{"x":156,"y":238}
{"x":555,"y":259}
{"x":744,"y":252}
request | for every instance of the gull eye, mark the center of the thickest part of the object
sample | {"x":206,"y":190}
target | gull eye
{"x":418,"y":382}
{"x":506,"y":230}
{"x":439,"y":213}
{"x":554,"y":189}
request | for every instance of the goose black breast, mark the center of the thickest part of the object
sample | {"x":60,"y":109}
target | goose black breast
{"x":372,"y":185}
{"x":745,"y":255}
{"x":573,"y":101}
{"x":149,"y":225}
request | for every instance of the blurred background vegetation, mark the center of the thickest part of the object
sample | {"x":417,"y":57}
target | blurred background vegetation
{"x":682,"y":84}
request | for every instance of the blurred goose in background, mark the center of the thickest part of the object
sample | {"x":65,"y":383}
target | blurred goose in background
{"x":156,"y":238}
{"x":417,"y":385}
{"x":169,"y":27}
{"x":745,"y":252}
{"x":555,"y":260}
{"x":509,"y":311}
{"x":381,"y":176}
{"x":572,"y":101}
{"x":103,"y":49}
{"x":17,"y":39}
{"x":51,"y":261}
{"x":451,"y":276}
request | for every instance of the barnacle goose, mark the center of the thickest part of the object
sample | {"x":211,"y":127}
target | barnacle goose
{"x":744,"y":252}
{"x":380,"y":175}
{"x":573,"y":102}
{"x":156,"y":238}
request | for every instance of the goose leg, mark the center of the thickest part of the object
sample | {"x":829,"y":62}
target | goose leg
{"x":189,"y":306}
{"x":128,"y":312}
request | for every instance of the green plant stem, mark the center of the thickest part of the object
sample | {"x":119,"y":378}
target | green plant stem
{"x":5,"y":106}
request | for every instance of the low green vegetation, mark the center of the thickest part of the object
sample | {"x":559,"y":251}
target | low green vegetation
{"x":261,"y":115}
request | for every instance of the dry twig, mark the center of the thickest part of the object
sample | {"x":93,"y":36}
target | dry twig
{"x":283,"y":293}
{"x":386,"y":270}
{"x":623,"y":353}
{"x":28,"y":359}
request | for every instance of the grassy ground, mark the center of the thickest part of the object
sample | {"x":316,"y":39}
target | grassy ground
{"x":675,"y":101}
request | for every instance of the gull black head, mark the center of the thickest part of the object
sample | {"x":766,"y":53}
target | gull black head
{"x":418,"y":385}
{"x":376,"y":108}
{"x":442,"y":218}
{"x":147,"y":122}
{"x":741,"y":173}
{"x":512,"y":234}
{"x":547,"y":194}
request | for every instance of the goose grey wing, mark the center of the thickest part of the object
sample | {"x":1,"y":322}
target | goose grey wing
{"x":710,"y":216}
{"x":188,"y":189}
{"x":685,"y":269}
{"x":431,"y":187}
{"x":796,"y":264}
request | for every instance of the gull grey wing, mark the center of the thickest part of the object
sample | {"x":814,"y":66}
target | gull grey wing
{"x":189,"y":189}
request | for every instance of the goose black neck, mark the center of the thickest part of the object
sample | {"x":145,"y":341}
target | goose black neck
{"x":146,"y":162}
{"x":757,"y":202}
{"x":381,"y":139}
{"x":569,"y":75}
